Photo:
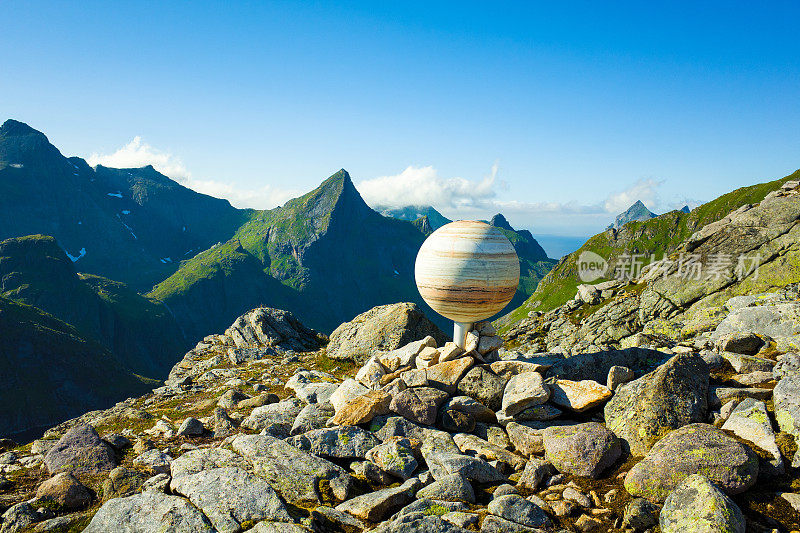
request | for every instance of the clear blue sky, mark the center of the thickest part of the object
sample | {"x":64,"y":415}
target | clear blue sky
{"x":582,"y":106}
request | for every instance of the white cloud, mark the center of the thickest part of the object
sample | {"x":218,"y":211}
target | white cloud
{"x":424,"y":186}
{"x":459,"y":198}
{"x":264,"y":198}
{"x":138,"y":153}
{"x":645,"y":190}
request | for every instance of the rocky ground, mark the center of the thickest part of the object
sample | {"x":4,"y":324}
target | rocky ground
{"x":258,"y":429}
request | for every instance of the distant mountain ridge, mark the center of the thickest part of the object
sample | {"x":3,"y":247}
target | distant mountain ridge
{"x":134,"y":225}
{"x":637,"y":212}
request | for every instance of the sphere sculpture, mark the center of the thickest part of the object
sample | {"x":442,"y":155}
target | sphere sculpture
{"x":467,"y":271}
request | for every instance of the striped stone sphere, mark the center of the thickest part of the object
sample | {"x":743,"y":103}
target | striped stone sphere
{"x":467,"y":271}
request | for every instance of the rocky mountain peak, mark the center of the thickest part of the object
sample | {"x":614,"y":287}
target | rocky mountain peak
{"x":499,"y":221}
{"x":20,"y":144}
{"x":636,"y":212}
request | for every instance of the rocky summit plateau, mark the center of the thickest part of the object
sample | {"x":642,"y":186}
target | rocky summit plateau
{"x":271,"y":426}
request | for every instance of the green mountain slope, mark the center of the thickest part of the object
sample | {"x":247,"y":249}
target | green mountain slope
{"x":132,"y":225}
{"x":657,"y":236}
{"x":50,"y":372}
{"x":141,"y":333}
{"x":326,"y":256}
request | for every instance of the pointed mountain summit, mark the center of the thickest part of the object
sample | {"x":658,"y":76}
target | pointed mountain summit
{"x":499,"y":221}
{"x":637,"y":212}
{"x":325,"y":255}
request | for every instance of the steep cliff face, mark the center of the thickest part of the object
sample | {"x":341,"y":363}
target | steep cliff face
{"x":51,"y":372}
{"x":141,"y":333}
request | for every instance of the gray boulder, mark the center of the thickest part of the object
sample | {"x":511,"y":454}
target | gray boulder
{"x":281,"y":413}
{"x":418,"y":523}
{"x":788,"y":364}
{"x":646,"y":409}
{"x":230,"y":497}
{"x":312,"y":416}
{"x":786,"y":397}
{"x":18,"y":517}
{"x":343,"y":442}
{"x":692,"y":449}
{"x":484,"y":386}
{"x":443,"y":464}
{"x":298,"y":476}
{"x":149,"y":511}
{"x":517,"y":509}
{"x":583,"y":449}
{"x":419,"y":404}
{"x":382,"y":329}
{"x":750,"y":421}
{"x":394,"y":457}
{"x":277,"y":328}
{"x":451,"y":488}
{"x":697,"y":506}
{"x":80,"y":450}
{"x":523,"y":391}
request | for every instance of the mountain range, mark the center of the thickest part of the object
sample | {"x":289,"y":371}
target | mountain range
{"x":141,"y":267}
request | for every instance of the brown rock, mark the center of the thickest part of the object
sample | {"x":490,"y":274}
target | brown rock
{"x":65,"y":491}
{"x":362,"y":409}
{"x":445,"y":375}
{"x":579,"y":395}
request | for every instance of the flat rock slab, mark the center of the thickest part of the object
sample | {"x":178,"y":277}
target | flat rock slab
{"x":495,"y":524}
{"x":195,"y":461}
{"x":750,"y":421}
{"x":80,"y":450}
{"x":231,"y":496}
{"x":279,"y":527}
{"x":149,"y":511}
{"x":445,"y":376}
{"x":344,"y":442}
{"x":696,"y":505}
{"x":583,"y":449}
{"x":418,"y":523}
{"x":646,"y":409}
{"x":375,"y":506}
{"x":281,"y":413}
{"x":298,"y":476}
{"x":579,"y":396}
{"x":693,"y":449}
